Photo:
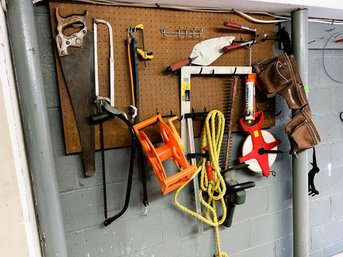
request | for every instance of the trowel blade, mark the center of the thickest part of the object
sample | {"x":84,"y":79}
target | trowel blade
{"x":207,"y":51}
{"x":78,"y":72}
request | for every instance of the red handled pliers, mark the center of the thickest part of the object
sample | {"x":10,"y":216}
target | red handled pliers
{"x":258,"y":35}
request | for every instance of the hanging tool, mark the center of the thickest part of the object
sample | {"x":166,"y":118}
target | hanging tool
{"x":184,"y":32}
{"x":75,"y":52}
{"x":257,"y":145}
{"x":231,"y":97}
{"x":192,"y":156}
{"x":172,"y":148}
{"x":134,"y":82}
{"x":250,"y":97}
{"x":258,"y":36}
{"x":211,"y":192}
{"x":106,"y":111}
{"x":203,"y":53}
{"x":134,"y":73}
{"x":235,"y":192}
{"x":312,"y":191}
{"x":110,"y":58}
{"x":235,"y":195}
{"x":145,"y":55}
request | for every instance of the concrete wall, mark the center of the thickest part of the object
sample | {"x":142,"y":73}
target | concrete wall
{"x":326,"y":99}
{"x":262,"y":226}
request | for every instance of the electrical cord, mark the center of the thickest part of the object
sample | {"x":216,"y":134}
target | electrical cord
{"x":323,"y":59}
{"x":244,"y":14}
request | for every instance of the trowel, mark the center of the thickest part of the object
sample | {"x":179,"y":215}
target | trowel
{"x":204,"y":53}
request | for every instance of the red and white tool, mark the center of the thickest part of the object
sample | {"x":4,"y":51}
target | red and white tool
{"x":256,"y":148}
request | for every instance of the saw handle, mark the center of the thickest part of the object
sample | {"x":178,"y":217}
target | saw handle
{"x":178,"y":65}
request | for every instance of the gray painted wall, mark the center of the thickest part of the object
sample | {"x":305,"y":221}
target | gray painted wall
{"x":262,"y":226}
{"x":326,"y":99}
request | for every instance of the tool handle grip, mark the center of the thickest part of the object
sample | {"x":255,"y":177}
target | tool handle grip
{"x":232,"y":25}
{"x":241,"y":186}
{"x":229,"y":214}
{"x":231,"y":47}
{"x":238,"y":26}
{"x":178,"y":65}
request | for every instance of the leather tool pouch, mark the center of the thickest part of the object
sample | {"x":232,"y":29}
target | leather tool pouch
{"x":301,"y":131}
{"x":279,"y":75}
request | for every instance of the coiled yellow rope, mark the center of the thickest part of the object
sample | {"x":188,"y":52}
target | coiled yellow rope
{"x":214,"y":190}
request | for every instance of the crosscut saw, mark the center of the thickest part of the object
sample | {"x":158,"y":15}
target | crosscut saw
{"x":76,"y":57}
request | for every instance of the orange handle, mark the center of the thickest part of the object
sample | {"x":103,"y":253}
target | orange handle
{"x":146,"y":123}
{"x":209,"y":171}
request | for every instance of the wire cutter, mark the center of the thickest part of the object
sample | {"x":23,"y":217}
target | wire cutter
{"x":258,"y":35}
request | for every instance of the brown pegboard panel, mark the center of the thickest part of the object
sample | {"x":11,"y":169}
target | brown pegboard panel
{"x":159,"y":91}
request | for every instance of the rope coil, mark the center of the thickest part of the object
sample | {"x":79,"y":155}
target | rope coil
{"x":210,"y":191}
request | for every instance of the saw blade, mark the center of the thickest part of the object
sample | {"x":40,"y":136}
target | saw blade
{"x":78,"y":72}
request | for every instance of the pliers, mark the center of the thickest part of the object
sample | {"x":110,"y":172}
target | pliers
{"x":258,"y":35}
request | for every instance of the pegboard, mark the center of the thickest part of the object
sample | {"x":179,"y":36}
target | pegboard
{"x":159,"y":90}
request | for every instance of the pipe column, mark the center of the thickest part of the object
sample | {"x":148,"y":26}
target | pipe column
{"x":300,"y":164}
{"x":30,"y":87}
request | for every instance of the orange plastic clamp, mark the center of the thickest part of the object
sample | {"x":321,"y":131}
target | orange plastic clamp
{"x":172,"y":148}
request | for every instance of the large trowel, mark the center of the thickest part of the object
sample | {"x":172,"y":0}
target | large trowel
{"x":204,"y":52}
{"x":76,"y":55}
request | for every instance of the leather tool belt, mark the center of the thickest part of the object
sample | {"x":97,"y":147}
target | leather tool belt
{"x":279,"y":75}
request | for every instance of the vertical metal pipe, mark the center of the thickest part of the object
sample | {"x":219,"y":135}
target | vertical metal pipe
{"x":300,"y":179}
{"x":23,"y":37}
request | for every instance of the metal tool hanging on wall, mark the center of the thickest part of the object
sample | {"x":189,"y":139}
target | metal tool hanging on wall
{"x":258,"y":35}
{"x":105,"y":111}
{"x":204,"y":53}
{"x":312,"y":190}
{"x":75,"y":52}
{"x":132,"y":52}
{"x":183,"y":32}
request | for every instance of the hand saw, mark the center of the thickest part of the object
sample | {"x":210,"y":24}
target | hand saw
{"x":76,"y":57}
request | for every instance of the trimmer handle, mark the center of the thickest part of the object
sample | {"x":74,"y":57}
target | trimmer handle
{"x":235,"y":195}
{"x":241,"y":186}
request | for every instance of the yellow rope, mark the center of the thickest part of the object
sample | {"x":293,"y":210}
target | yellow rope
{"x":211,"y":136}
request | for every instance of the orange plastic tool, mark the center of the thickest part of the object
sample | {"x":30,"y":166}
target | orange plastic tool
{"x":172,"y":148}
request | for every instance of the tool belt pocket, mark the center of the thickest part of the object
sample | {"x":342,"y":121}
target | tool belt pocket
{"x":302,"y":132}
{"x":279,"y":75}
